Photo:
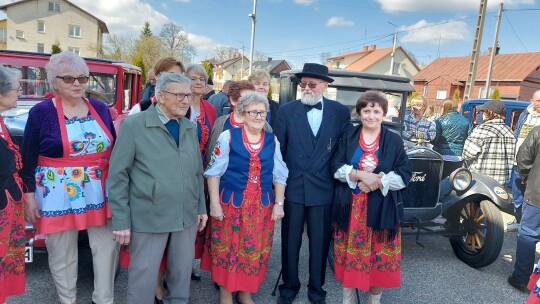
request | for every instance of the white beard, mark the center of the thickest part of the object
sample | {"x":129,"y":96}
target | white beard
{"x":310,"y":100}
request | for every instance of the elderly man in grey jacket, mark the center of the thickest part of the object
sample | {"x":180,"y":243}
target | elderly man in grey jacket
{"x":156,"y":192}
{"x":528,"y":165}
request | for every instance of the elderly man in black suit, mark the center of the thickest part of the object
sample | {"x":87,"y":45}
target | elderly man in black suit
{"x":309,"y":130}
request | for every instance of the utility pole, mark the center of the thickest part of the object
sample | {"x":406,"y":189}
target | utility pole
{"x":253,"y":21}
{"x":493,"y":50}
{"x":242,"y":68}
{"x":471,"y":75}
{"x":393,"y":50}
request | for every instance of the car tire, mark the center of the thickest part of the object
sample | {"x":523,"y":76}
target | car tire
{"x":483,"y":237}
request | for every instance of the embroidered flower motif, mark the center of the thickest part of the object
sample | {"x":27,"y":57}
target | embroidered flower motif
{"x":89,"y":135}
{"x":77,"y":174}
{"x":73,"y":191}
{"x":95,"y":173}
{"x":76,"y":146}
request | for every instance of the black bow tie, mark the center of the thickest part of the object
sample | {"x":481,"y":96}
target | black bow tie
{"x":318,"y":106}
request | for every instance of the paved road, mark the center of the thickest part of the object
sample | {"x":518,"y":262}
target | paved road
{"x":431,"y":274}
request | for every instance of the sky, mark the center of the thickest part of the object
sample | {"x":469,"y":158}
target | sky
{"x":301,"y":30}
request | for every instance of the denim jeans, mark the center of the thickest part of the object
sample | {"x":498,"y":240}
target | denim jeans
{"x":528,"y":236}
{"x":516,"y":194}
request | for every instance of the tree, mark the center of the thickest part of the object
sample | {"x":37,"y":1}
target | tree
{"x":258,"y":56}
{"x":223,"y":52}
{"x":324,"y":57}
{"x":138,"y":61}
{"x":146,"y":31}
{"x":119,"y":47}
{"x":176,"y":42}
{"x":456,"y":94}
{"x":55,"y":48}
{"x":208,"y":68}
{"x":496,"y":94}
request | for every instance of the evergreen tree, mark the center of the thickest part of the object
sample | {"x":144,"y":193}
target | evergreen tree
{"x":146,"y":31}
{"x":456,"y":94}
{"x":496,"y":94}
{"x":208,"y":68}
{"x":138,"y":61}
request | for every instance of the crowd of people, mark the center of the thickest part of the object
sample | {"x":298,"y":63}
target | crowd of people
{"x":187,"y":178}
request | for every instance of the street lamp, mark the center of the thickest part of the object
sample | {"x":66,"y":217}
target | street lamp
{"x":253,"y":21}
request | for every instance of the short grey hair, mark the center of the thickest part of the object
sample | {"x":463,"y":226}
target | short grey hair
{"x":165,"y":78}
{"x":249,"y":98}
{"x":8,"y":76}
{"x":198,"y":70}
{"x":65,"y":60}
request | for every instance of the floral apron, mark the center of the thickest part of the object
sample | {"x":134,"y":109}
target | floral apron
{"x":70,"y":191}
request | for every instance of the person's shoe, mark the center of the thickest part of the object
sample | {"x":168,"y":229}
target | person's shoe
{"x":284,"y":300}
{"x":513,"y":226}
{"x":348,"y":296}
{"x":157,"y":301}
{"x":323,"y":301}
{"x":516,"y":285}
{"x":195,"y":276}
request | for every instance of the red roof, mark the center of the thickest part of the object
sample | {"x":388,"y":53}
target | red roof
{"x":369,"y":57}
{"x":506,"y":67}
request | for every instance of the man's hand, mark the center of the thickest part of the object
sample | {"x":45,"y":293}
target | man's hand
{"x":123,"y":237}
{"x":201,"y":221}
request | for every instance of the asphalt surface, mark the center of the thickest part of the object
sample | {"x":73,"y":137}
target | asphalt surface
{"x":430,"y":274}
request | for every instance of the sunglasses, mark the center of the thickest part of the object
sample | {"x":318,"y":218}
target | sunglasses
{"x":311,"y":85}
{"x":71,"y":79}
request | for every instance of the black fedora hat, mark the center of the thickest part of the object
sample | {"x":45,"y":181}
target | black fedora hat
{"x":315,"y":70}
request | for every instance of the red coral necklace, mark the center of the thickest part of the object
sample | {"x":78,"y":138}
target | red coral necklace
{"x":249,"y":145}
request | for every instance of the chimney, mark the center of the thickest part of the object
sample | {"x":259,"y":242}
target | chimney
{"x":372,"y":47}
{"x":489,"y":50}
{"x":365,"y":48}
{"x":269,"y":59}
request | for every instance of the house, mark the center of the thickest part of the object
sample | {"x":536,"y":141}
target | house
{"x":35,"y":25}
{"x":273,"y":67}
{"x":517,"y":76}
{"x":376,"y":61}
{"x":230,"y":69}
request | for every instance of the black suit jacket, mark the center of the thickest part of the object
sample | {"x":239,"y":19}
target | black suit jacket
{"x":310,"y":181}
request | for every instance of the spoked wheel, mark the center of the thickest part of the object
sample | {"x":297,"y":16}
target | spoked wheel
{"x":483,"y":236}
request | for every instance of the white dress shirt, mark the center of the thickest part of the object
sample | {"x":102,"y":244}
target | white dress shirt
{"x":314,"y":117}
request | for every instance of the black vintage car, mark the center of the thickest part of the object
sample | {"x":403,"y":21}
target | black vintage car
{"x":442,"y":198}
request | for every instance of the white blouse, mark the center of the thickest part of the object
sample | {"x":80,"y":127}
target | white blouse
{"x":390,"y":181}
{"x":218,"y":164}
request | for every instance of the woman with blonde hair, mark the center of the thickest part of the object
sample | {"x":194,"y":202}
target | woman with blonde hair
{"x":261,"y":80}
{"x":418,"y":127}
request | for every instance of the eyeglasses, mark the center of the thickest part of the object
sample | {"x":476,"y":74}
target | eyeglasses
{"x":180,"y":96}
{"x":311,"y":85}
{"x":256,"y":113}
{"x":201,"y":79}
{"x":18,"y":90}
{"x":71,"y":79}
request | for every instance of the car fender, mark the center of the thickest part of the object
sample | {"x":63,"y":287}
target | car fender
{"x":482,"y":187}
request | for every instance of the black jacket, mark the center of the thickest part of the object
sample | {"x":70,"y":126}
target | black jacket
{"x":528,"y":164}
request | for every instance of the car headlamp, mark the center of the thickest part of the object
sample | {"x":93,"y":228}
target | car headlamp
{"x":461,"y":179}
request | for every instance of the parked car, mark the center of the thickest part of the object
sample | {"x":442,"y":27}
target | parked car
{"x":464,"y":206}
{"x":116,"y":83}
{"x":513,"y":110}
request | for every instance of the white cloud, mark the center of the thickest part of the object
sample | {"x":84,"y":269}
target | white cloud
{"x":201,"y":43}
{"x":452,"y":5}
{"x":425,"y":32}
{"x":304,"y":2}
{"x":183,"y":1}
{"x":339,"y":21}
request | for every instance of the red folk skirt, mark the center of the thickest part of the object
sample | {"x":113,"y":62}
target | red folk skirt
{"x":237,"y":250}
{"x":12,"y":243}
{"x":360,"y":260}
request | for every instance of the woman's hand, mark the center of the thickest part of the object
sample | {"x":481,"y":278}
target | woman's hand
{"x":371,"y":180}
{"x":216,"y":211}
{"x":123,"y":237}
{"x":277,"y":213}
{"x":31,"y":211}
{"x":202,"y":219}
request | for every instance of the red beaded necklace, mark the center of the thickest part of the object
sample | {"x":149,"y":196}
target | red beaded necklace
{"x":12,"y":146}
{"x":369,"y":148}
{"x":235,"y":124}
{"x":205,"y":132}
{"x":249,"y":144}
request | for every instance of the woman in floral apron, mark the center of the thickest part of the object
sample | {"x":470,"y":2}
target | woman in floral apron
{"x":12,"y":224}
{"x":372,"y":167}
{"x":67,"y":143}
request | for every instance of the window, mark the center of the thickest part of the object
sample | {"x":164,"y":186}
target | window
{"x":482,"y":92}
{"x":74,"y":31}
{"x":425,"y":91}
{"x":41,"y":26}
{"x":54,"y":6}
{"x":40,"y":48}
{"x":19,"y":34}
{"x":441,"y":94}
{"x":75,"y":50}
{"x":3,"y":35}
{"x":395,"y":68}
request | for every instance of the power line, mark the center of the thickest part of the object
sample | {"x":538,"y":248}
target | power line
{"x":513,"y":30}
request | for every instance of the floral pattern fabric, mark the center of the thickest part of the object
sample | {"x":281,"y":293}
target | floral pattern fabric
{"x":534,"y":286}
{"x":73,"y":197}
{"x":360,"y":259}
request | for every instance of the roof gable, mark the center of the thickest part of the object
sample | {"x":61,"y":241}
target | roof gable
{"x":268,"y":65}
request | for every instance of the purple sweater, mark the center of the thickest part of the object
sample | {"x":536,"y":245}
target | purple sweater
{"x":42,"y":136}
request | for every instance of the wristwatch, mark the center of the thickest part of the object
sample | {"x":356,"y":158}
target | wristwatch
{"x":280,"y":203}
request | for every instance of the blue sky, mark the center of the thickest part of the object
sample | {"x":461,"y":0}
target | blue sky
{"x":300,"y":30}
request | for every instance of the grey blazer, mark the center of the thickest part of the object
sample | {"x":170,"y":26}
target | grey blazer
{"x":155,"y":186}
